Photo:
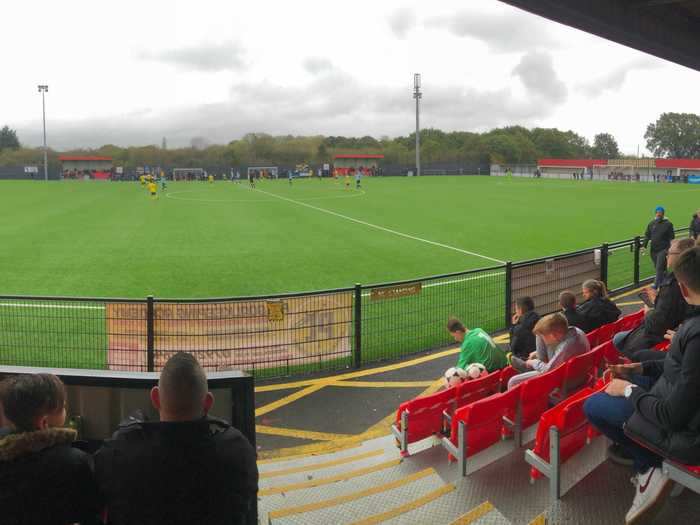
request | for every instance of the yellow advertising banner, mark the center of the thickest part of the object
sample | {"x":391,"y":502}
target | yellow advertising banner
{"x":392,"y":292}
{"x":239,"y":334}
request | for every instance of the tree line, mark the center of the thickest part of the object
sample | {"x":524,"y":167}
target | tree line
{"x":672,"y":135}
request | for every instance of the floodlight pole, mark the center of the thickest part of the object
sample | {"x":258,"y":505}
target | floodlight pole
{"x":417,"y":95}
{"x":43,"y":88}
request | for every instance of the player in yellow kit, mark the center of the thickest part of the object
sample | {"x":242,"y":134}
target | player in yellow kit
{"x":142,"y":180}
{"x":211,"y":179}
{"x":153,"y":188}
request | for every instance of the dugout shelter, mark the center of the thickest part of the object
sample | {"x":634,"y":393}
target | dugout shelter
{"x":82,"y":167}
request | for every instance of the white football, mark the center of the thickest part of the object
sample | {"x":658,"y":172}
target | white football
{"x":475,"y":370}
{"x":454,"y":376}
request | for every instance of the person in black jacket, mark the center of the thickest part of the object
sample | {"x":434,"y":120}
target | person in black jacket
{"x":669,"y":310}
{"x":186,"y":468}
{"x":567,"y":301}
{"x":657,"y":403}
{"x":660,"y":233}
{"x":597,"y":309}
{"x":694,"y":228}
{"x":522,"y":340}
{"x":43,"y":478}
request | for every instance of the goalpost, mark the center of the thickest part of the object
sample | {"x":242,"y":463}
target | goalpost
{"x":262,"y":172}
{"x":189,"y":174}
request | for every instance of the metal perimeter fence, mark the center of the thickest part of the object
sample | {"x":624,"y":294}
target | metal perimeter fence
{"x":289,"y":334}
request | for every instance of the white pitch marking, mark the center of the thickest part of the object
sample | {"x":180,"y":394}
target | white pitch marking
{"x":382,"y":228}
{"x":63,"y":306}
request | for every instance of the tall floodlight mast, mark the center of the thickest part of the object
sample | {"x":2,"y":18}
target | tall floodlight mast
{"x":417,"y":95}
{"x":43,"y":88}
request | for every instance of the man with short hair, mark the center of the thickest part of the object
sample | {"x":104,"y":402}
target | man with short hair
{"x":186,"y":468}
{"x":567,"y":301}
{"x":43,"y":478}
{"x":669,"y":309}
{"x":556,"y":343}
{"x":476,"y":347}
{"x":657,"y":403}
{"x":660,"y":233}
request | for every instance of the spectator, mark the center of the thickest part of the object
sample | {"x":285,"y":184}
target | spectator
{"x":567,"y":301}
{"x":694,"y":228}
{"x":476,"y":347}
{"x":187,"y":468}
{"x":657,"y":402}
{"x":660,"y":233}
{"x":669,"y":310}
{"x":522,"y":340}
{"x":556,"y":343}
{"x":43,"y":478}
{"x":597,"y":309}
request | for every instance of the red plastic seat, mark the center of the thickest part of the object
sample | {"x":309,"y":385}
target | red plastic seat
{"x":506,"y":374}
{"x":629,"y":322}
{"x":483,"y":420}
{"x":581,"y":371}
{"x":476,"y":389}
{"x":570,"y":421}
{"x":425,"y":414}
{"x":535,"y":396}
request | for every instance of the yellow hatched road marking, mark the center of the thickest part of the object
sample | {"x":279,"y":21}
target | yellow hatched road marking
{"x":408,"y":507}
{"x":383,"y":384}
{"x":474,"y":514}
{"x":321,"y":465}
{"x":331,"y":479}
{"x":631,"y":303}
{"x":539,"y":520}
{"x":288,"y":399}
{"x":351,"y":497}
{"x":298,"y":433}
{"x":323,"y":448}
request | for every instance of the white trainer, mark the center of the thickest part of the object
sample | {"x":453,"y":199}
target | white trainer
{"x":652,"y":489}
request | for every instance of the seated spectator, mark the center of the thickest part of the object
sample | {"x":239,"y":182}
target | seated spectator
{"x":669,"y":310}
{"x":597,"y":309}
{"x":657,"y":402}
{"x":567,"y":301}
{"x":522,"y":340}
{"x":694,"y":228}
{"x":43,"y":478}
{"x":476,"y":347}
{"x":556,"y":343}
{"x":186,"y":468}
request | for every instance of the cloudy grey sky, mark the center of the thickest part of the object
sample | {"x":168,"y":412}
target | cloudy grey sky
{"x":131,"y":72}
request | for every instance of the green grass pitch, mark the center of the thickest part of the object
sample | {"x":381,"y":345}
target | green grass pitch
{"x":102,"y":239}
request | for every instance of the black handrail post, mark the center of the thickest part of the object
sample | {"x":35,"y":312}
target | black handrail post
{"x":357,"y":350}
{"x":509,"y":294}
{"x":150,"y":336}
{"x":604,"y":263}
{"x":637,"y":242}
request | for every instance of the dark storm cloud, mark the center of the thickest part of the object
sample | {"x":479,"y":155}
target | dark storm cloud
{"x":536,"y":72}
{"x":506,"y":32}
{"x":402,"y":21}
{"x":316,"y":65}
{"x":225,"y":56}
{"x":615,"y":79}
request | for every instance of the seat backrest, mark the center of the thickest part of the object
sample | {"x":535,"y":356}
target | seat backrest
{"x":425,"y":414}
{"x":506,"y":374}
{"x":484,"y":420}
{"x":581,"y":371}
{"x":534,"y":394}
{"x":609,"y":354}
{"x":476,"y":389}
{"x":592,"y":337}
{"x":629,"y":322}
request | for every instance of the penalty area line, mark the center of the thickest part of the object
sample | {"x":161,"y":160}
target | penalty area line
{"x":381,"y":228}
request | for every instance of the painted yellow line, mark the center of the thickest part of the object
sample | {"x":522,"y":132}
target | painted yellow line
{"x":474,"y":514}
{"x":408,"y":507}
{"x":350,"y":497}
{"x":539,"y":520}
{"x":288,"y":399}
{"x":636,"y":290}
{"x":383,"y":384}
{"x":298,"y":433}
{"x":277,"y":456}
{"x":321,"y":465}
{"x":631,"y":303}
{"x":328,"y":480}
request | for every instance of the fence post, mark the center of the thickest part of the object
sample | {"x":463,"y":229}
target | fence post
{"x":636,"y":260}
{"x":509,"y":294}
{"x":357,"y":350}
{"x":150,"y":336}
{"x":604,"y":263}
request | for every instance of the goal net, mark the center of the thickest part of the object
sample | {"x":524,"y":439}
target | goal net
{"x":189,"y":174}
{"x":262,"y":172}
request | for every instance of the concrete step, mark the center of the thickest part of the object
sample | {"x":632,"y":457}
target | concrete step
{"x":446,"y":510}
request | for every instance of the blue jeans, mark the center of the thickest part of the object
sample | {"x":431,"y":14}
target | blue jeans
{"x":609,"y":414}
{"x":619,"y":339}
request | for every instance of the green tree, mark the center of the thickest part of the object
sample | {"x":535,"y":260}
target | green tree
{"x":8,"y":139}
{"x":605,"y":147}
{"x":674,"y":135}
